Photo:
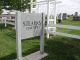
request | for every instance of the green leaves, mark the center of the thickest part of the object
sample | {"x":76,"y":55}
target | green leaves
{"x":20,"y":5}
{"x":0,"y":7}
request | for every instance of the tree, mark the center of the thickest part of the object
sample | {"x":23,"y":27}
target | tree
{"x":20,"y":5}
{"x":0,"y":7}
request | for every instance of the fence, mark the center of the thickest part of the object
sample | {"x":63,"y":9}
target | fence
{"x":8,"y":19}
{"x":66,"y":34}
{"x":11,"y":21}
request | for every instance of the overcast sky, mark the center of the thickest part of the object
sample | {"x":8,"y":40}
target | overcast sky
{"x":67,"y":6}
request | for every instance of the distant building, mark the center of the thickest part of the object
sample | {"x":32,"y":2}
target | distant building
{"x":9,"y":14}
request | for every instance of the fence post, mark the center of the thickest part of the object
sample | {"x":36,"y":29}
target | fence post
{"x":15,"y":20}
{"x":5,"y":22}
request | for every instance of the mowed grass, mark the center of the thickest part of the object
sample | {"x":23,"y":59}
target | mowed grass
{"x":8,"y":44}
{"x":70,"y":22}
{"x":57,"y":47}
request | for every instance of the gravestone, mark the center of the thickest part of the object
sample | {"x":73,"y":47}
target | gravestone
{"x":76,"y":14}
{"x":64,"y":17}
{"x":60,"y":18}
{"x":76,"y":17}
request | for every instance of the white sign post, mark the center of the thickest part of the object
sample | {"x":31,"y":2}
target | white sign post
{"x":48,"y":15}
{"x":29,"y":25}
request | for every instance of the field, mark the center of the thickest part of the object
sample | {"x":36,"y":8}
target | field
{"x":57,"y":47}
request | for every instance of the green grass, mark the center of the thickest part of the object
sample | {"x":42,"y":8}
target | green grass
{"x":57,"y":47}
{"x":69,"y":21}
{"x":69,"y":31}
{"x":8,"y":44}
{"x":72,"y":23}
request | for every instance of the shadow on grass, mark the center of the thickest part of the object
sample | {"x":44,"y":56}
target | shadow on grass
{"x":61,"y":50}
{"x":13,"y":56}
{"x":9,"y":57}
{"x":58,"y":48}
{"x":2,"y":26}
{"x":13,"y":35}
{"x":33,"y":38}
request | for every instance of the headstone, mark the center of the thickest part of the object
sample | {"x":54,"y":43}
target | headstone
{"x":76,"y":14}
{"x":64,"y":16}
{"x":60,"y":18}
{"x":76,"y":17}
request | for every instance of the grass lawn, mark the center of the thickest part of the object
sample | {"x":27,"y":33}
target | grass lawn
{"x":72,"y":23}
{"x":57,"y":47}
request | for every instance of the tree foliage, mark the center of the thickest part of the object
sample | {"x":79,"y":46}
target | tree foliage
{"x":0,"y":7}
{"x":20,"y":5}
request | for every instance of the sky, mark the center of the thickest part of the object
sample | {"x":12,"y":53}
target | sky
{"x":67,"y":6}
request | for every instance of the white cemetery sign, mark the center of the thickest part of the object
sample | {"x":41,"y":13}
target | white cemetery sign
{"x":29,"y":25}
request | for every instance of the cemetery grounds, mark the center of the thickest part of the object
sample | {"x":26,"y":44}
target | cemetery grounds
{"x":57,"y":47}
